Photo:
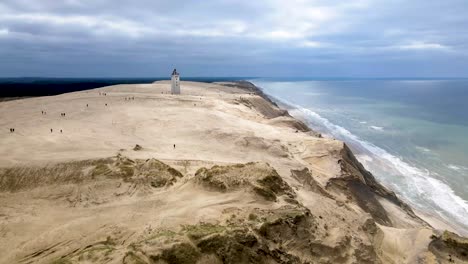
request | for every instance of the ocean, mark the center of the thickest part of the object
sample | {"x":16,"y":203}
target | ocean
{"x":411,"y":134}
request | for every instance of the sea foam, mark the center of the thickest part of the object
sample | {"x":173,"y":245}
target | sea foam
{"x":377,"y":128}
{"x":417,"y":186}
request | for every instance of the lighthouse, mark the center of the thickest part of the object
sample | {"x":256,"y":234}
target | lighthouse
{"x":175,"y":82}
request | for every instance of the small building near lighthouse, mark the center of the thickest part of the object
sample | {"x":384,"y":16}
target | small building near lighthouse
{"x":175,"y":82}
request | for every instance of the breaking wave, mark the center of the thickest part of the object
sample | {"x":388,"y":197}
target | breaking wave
{"x":414,"y":184}
{"x":377,"y":128}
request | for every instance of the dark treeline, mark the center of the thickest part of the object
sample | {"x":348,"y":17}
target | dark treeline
{"x":19,"y":87}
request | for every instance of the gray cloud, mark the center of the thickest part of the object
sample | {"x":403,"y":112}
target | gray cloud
{"x":301,"y":38}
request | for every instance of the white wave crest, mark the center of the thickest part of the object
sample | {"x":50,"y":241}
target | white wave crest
{"x":377,"y":128}
{"x":364,"y":158}
{"x":456,"y":167}
{"x":423,"y":149}
{"x":418,"y":186}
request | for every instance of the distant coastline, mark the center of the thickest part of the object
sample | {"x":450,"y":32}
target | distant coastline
{"x":18,"y":88}
{"x":46,"y":86}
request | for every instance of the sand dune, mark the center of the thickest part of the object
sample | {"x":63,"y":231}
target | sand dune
{"x":221,"y":175}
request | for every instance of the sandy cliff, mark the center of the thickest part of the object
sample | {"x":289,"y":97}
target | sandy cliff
{"x":220,"y":175}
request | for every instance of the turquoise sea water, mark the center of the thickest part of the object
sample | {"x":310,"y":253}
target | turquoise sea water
{"x":411,"y":134}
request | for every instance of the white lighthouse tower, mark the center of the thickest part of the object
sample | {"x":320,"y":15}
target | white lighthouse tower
{"x":175,"y":82}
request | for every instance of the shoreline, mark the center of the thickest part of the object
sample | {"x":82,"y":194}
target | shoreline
{"x":431,"y":218}
{"x":217,"y":172}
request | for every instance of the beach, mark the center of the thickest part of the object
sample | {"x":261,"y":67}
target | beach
{"x":217,"y":174}
{"x":410,"y":133}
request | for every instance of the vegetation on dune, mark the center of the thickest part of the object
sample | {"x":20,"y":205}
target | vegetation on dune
{"x":202,"y":229}
{"x":151,"y":172}
{"x":450,"y":245}
{"x":246,"y":238}
{"x":182,"y":253}
{"x":261,"y":178}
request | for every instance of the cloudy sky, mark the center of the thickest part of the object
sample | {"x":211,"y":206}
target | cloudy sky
{"x":146,"y":38}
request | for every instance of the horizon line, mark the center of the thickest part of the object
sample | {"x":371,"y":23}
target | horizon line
{"x":240,"y":77}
